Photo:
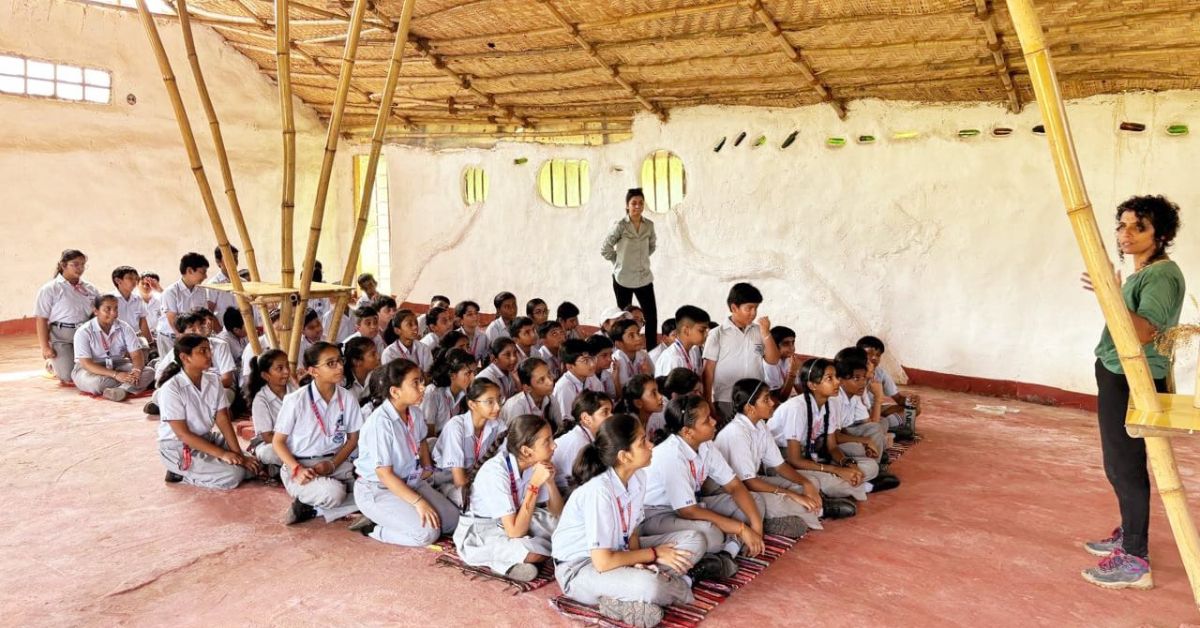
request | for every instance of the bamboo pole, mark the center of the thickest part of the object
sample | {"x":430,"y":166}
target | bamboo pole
{"x":1091,"y":245}
{"x":331,"y":141}
{"x":283,"y":63}
{"x":381,"y":124}
{"x":793,"y":54}
{"x":197,"y":166}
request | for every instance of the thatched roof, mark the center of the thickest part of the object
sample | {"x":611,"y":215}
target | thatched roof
{"x":574,"y":64}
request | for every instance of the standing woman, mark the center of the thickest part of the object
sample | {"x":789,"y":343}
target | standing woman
{"x":1146,"y":227}
{"x":63,"y":304}
{"x":629,"y":245}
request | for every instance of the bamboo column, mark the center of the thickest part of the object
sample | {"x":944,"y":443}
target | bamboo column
{"x":331,"y":141}
{"x":189,"y":142}
{"x":381,"y":124}
{"x":235,"y":207}
{"x":1091,"y":245}
{"x":283,"y":62}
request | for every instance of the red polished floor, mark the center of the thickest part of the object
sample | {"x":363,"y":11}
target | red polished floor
{"x":985,"y":531}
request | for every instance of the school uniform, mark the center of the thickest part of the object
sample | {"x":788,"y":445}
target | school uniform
{"x":314,"y":431}
{"x":236,"y":345}
{"x":497,"y":329}
{"x":220,"y":299}
{"x":890,"y":390}
{"x":363,"y":300}
{"x":566,"y":452}
{"x":390,"y":440}
{"x":131,"y":310}
{"x":737,"y":354}
{"x":153,"y":310}
{"x":222,"y":363}
{"x":603,"y":514}
{"x":800,"y":419}
{"x":608,"y":385}
{"x":674,"y":356}
{"x":264,"y":412}
{"x":181,"y":400}
{"x":418,"y":353}
{"x":457,"y":447}
{"x":380,"y":345}
{"x":358,"y":390}
{"x":177,"y":299}
{"x":552,"y":361}
{"x":248,"y":355}
{"x":521,"y":404}
{"x":750,"y":450}
{"x":566,"y":389}
{"x":477,"y":343}
{"x":438,"y":405}
{"x":626,"y":367}
{"x":346,"y":328}
{"x":655,"y":352}
{"x":111,"y":350}
{"x":423,"y":324}
{"x":65,"y":306}
{"x":775,"y":375}
{"x":498,"y":491}
{"x":676,"y":480}
{"x":430,"y":340}
{"x":522,"y":354}
{"x":854,"y":417}
{"x":493,"y":374}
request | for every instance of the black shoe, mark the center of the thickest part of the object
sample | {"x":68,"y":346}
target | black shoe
{"x":729,"y":565}
{"x":298,"y":512}
{"x":150,"y":408}
{"x":173,"y":478}
{"x":710,"y":567}
{"x":362,"y":524}
{"x":885,"y":460}
{"x":903,"y":434}
{"x":839,"y":508}
{"x":884,"y":482}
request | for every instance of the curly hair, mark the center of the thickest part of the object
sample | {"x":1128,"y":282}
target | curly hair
{"x":1161,"y":213}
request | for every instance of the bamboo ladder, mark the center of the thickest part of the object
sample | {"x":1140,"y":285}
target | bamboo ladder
{"x":1155,"y":417}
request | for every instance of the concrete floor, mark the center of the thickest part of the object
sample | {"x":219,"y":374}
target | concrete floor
{"x":985,"y":531}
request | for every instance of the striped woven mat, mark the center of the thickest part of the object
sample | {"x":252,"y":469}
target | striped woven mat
{"x":449,"y":558}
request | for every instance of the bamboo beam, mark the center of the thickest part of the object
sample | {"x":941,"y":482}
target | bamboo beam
{"x":197,"y":165}
{"x":505,"y":134}
{"x":793,"y":54}
{"x":572,"y":31}
{"x":287,"y":207}
{"x":464,"y":83}
{"x":1108,"y":293}
{"x":987,"y":20}
{"x":357,"y":14}
{"x":380,"y":130}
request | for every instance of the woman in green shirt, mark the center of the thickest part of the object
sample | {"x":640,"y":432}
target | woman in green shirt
{"x":1146,"y":227}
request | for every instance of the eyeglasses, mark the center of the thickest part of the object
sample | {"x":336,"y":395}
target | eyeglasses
{"x":488,"y":402}
{"x":333,"y":363}
{"x":79,"y":265}
{"x":586,"y":359}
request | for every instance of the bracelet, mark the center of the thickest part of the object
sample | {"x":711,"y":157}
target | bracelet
{"x":414,"y":502}
{"x":654,"y":551}
{"x":296,"y":469}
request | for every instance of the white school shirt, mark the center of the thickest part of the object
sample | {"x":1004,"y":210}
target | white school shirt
{"x":131,"y":310}
{"x":419,"y":354}
{"x":178,"y":298}
{"x":497,"y":329}
{"x":627,"y":367}
{"x":656,"y":351}
{"x":738,"y":354}
{"x":380,"y":345}
{"x":776,"y":374}
{"x":845,"y":410}
{"x":748,"y":447}
{"x":264,"y":412}
{"x":477,"y":344}
{"x":236,"y":345}
{"x":358,"y":389}
{"x":430,"y":340}
{"x":674,"y":357}
{"x":58,"y":301}
{"x":221,"y":299}
{"x":608,"y":384}
{"x":363,"y":300}
{"x":346,"y":329}
{"x":566,"y":452}
{"x":439,"y":404}
{"x":551,"y":360}
{"x":222,"y":359}
{"x":390,"y":440}
{"x":302,"y":425}
{"x":520,"y":404}
{"x":790,"y":422}
{"x":456,"y":446}
{"x":248,"y":354}
{"x":676,"y":472}
{"x":566,"y":389}
{"x":493,"y":374}
{"x":152,"y":308}
{"x":601,"y":514}
{"x":91,"y":342}
{"x":180,"y":400}
{"x":889,"y":385}
{"x":492,"y":490}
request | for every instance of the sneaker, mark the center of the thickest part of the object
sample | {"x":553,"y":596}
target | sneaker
{"x":298,"y":512}
{"x":884,"y":482}
{"x":173,"y":478}
{"x":115,"y":394}
{"x":709,"y":567}
{"x":1104,"y":547}
{"x":360,"y":523}
{"x":522,"y":572}
{"x":839,"y":508}
{"x":729,"y":565}
{"x":150,"y":408}
{"x":791,"y":527}
{"x":1121,"y":571}
{"x":639,"y":614}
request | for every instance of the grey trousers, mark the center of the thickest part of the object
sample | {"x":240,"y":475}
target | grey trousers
{"x":165,"y":342}
{"x":62,"y":340}
{"x":834,"y":486}
{"x":877,"y":432}
{"x":90,"y":382}
{"x":775,"y":506}
{"x":265,"y":452}
{"x":580,"y":581}
{"x":331,"y":491}
{"x":664,"y":520}
{"x":869,"y":466}
{"x":204,"y":471}
{"x":396,"y":521}
{"x":484,"y":543}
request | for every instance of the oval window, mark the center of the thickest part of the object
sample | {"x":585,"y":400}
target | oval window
{"x":565,"y":182}
{"x":475,"y":185}
{"x":663,"y":181}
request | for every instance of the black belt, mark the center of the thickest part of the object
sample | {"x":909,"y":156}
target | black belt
{"x":66,"y":325}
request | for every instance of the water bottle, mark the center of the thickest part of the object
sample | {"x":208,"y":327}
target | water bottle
{"x":910,"y":416}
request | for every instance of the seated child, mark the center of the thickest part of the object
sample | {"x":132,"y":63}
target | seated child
{"x":629,"y":358}
{"x":691,"y":328}
{"x":269,"y":382}
{"x":668,"y":337}
{"x":514,"y":505}
{"x":534,"y":398}
{"x":440,"y":322}
{"x":367,"y":289}
{"x":366,"y":325}
{"x":184,"y":295}
{"x":551,"y":338}
{"x":537,"y":310}
{"x":859,"y":434}
{"x":424,"y":320}
{"x":109,"y":359}
{"x":130,"y":307}
{"x":362,"y":358}
{"x":465,"y":438}
{"x":233,"y":334}
{"x":579,"y":376}
{"x":601,"y":349}
{"x":590,"y":410}
{"x":642,"y":399}
{"x":501,"y":369}
{"x":567,"y":315}
{"x":310,"y":334}
{"x":783,"y":377}
{"x":402,"y":342}
{"x":453,"y":371}
{"x":738,"y":348}
{"x":608,"y":317}
{"x":467,"y":314}
{"x":506,"y":311}
{"x":523,"y":332}
{"x":892,"y":408}
{"x":346,"y":325}
{"x":220,"y":357}
{"x":151,"y":299}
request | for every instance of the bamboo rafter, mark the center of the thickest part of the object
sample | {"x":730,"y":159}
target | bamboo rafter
{"x":793,"y":55}
{"x":987,"y":20}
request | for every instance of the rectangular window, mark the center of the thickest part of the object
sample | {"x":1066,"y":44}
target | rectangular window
{"x":375,"y":256}
{"x":47,"y":79}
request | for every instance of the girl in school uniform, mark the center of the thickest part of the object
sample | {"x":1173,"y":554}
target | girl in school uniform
{"x":402,"y":338}
{"x":602,"y":553}
{"x":725,"y":513}
{"x":361,"y":359}
{"x":315,"y":434}
{"x":506,"y":527}
{"x":63,"y":304}
{"x":465,"y":438}
{"x":629,"y":356}
{"x":467,"y":313}
{"x":590,"y":410}
{"x":109,"y":359}
{"x":791,"y":502}
{"x":452,"y":340}
{"x":452,"y":373}
{"x":500,"y":370}
{"x":311,"y":332}
{"x":534,"y":398}
{"x":398,"y":504}
{"x":192,"y":403}
{"x":642,"y":399}
{"x":151,"y":299}
{"x":269,"y":382}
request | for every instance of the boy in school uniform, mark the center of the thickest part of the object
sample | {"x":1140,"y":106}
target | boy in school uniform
{"x":467,"y":315}
{"x":151,"y":298}
{"x":892,"y":403}
{"x":130,"y":307}
{"x":367,"y":289}
{"x":580,"y":369}
{"x":629,"y":355}
{"x":737,"y":348}
{"x":222,"y":300}
{"x":523,"y":332}
{"x":783,"y":377}
{"x":860,"y":430}
{"x":552,"y":338}
{"x":610,"y":316}
{"x":691,"y":328}
{"x":601,"y":349}
{"x":567,"y":315}
{"x":385,"y":308}
{"x":366,"y":325}
{"x":669,"y":338}
{"x":234,"y":334}
{"x":506,"y":311}
{"x":197,"y":322}
{"x":438,"y":301}
{"x":184,"y":295}
{"x":440,"y":322}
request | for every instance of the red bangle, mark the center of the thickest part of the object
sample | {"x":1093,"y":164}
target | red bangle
{"x":296,"y":470}
{"x":654,"y":551}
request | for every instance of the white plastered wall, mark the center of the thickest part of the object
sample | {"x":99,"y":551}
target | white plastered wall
{"x":957,"y":252}
{"x":114,"y":180}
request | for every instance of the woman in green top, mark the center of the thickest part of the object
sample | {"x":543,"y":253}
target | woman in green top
{"x":1146,"y":227}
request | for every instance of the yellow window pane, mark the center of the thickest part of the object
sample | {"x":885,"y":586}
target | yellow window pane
{"x":585,"y":183}
{"x":571,"y":183}
{"x":663,"y":180}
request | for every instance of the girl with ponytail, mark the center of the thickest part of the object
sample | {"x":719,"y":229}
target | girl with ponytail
{"x":465,"y":439}
{"x":453,"y":370}
{"x":269,"y":382}
{"x":641,"y":398}
{"x":362,"y":357}
{"x":600,"y":552}
{"x":63,"y":303}
{"x":505,"y":527}
{"x":190,"y":406}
